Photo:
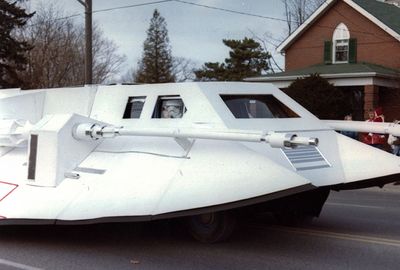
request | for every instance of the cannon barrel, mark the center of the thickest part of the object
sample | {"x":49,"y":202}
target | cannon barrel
{"x":88,"y":131}
{"x":362,"y":126}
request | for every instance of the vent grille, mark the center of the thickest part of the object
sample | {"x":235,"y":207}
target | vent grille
{"x":32,"y":157}
{"x":306,"y":158}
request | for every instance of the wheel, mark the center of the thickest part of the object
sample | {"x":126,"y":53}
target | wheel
{"x":212,"y":227}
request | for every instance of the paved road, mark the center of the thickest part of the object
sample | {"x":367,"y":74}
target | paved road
{"x":357,"y":230}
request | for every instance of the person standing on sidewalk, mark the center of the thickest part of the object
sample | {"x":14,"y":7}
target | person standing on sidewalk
{"x":394,"y":142}
{"x":373,"y":139}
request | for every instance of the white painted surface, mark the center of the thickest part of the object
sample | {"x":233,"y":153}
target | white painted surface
{"x":27,"y":106}
{"x":144,"y":176}
{"x":78,"y":100}
{"x":361,"y":161}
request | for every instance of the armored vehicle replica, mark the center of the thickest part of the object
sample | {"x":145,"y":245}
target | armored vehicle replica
{"x":202,"y":151}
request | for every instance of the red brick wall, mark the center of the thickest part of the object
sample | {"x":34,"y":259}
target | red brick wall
{"x":389,"y":99}
{"x":371,"y":99}
{"x":374,"y":45}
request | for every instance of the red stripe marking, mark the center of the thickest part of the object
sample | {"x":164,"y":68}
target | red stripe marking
{"x":11,"y":184}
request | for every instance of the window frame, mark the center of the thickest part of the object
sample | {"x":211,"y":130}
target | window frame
{"x":129,"y":106}
{"x":157,"y":106}
{"x":341,"y":35}
{"x":345,"y":43}
{"x":282,"y":107}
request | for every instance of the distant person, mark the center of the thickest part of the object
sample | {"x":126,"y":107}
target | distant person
{"x":373,"y":139}
{"x":379,"y":117}
{"x":394,"y":142}
{"x":367,"y":138}
{"x":351,"y":134}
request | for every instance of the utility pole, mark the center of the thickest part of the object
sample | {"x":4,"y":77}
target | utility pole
{"x":88,"y":41}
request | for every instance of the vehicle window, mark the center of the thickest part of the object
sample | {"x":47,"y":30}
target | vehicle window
{"x":169,"y":107}
{"x":134,"y":107}
{"x":257,"y":106}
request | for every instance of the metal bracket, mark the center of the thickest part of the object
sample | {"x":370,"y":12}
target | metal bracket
{"x":72,"y":175}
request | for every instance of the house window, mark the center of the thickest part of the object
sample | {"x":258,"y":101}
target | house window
{"x":340,"y":40}
{"x":341,"y":51}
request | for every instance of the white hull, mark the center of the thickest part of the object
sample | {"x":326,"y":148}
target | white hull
{"x":61,"y":179}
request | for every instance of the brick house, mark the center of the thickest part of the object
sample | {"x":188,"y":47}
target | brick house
{"x":355,"y":44}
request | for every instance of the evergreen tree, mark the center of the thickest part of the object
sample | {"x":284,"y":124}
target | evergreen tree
{"x":247,"y":59}
{"x":12,"y":50}
{"x":156,"y":63}
{"x":321,"y":98}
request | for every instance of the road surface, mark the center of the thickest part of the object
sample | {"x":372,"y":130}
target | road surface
{"x":356,"y":230}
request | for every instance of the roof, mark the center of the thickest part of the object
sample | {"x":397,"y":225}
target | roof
{"x":386,"y":16}
{"x":337,"y":70}
{"x":389,"y":14}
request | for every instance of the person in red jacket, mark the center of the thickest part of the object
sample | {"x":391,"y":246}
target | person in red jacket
{"x":373,"y":139}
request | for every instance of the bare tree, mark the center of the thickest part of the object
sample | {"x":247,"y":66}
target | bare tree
{"x":183,"y":69}
{"x":129,"y":75}
{"x":106,"y":61}
{"x":297,"y":12}
{"x":57,"y":58}
{"x":267,"y":42}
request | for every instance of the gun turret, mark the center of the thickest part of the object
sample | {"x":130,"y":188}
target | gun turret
{"x":90,"y":131}
{"x":367,"y":127}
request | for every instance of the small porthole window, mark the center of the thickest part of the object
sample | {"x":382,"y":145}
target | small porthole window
{"x":134,"y":107}
{"x":169,"y":107}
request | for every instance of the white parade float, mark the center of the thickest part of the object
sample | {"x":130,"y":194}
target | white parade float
{"x":205,"y":151}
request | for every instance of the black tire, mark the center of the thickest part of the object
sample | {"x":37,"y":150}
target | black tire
{"x":212,"y":227}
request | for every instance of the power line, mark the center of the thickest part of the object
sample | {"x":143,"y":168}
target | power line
{"x":209,"y":7}
{"x":358,"y":44}
{"x":58,"y":19}
{"x":230,"y":11}
{"x":266,"y":17}
{"x":352,"y":22}
{"x":132,"y":6}
{"x":105,"y":10}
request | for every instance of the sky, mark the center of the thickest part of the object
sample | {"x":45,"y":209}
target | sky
{"x":195,"y":32}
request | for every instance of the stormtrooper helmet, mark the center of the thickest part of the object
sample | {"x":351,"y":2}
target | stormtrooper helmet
{"x":172,"y":108}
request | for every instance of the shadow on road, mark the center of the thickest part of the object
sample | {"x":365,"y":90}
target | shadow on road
{"x":163,"y":230}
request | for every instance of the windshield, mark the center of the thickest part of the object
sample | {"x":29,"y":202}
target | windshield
{"x":257,"y":106}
